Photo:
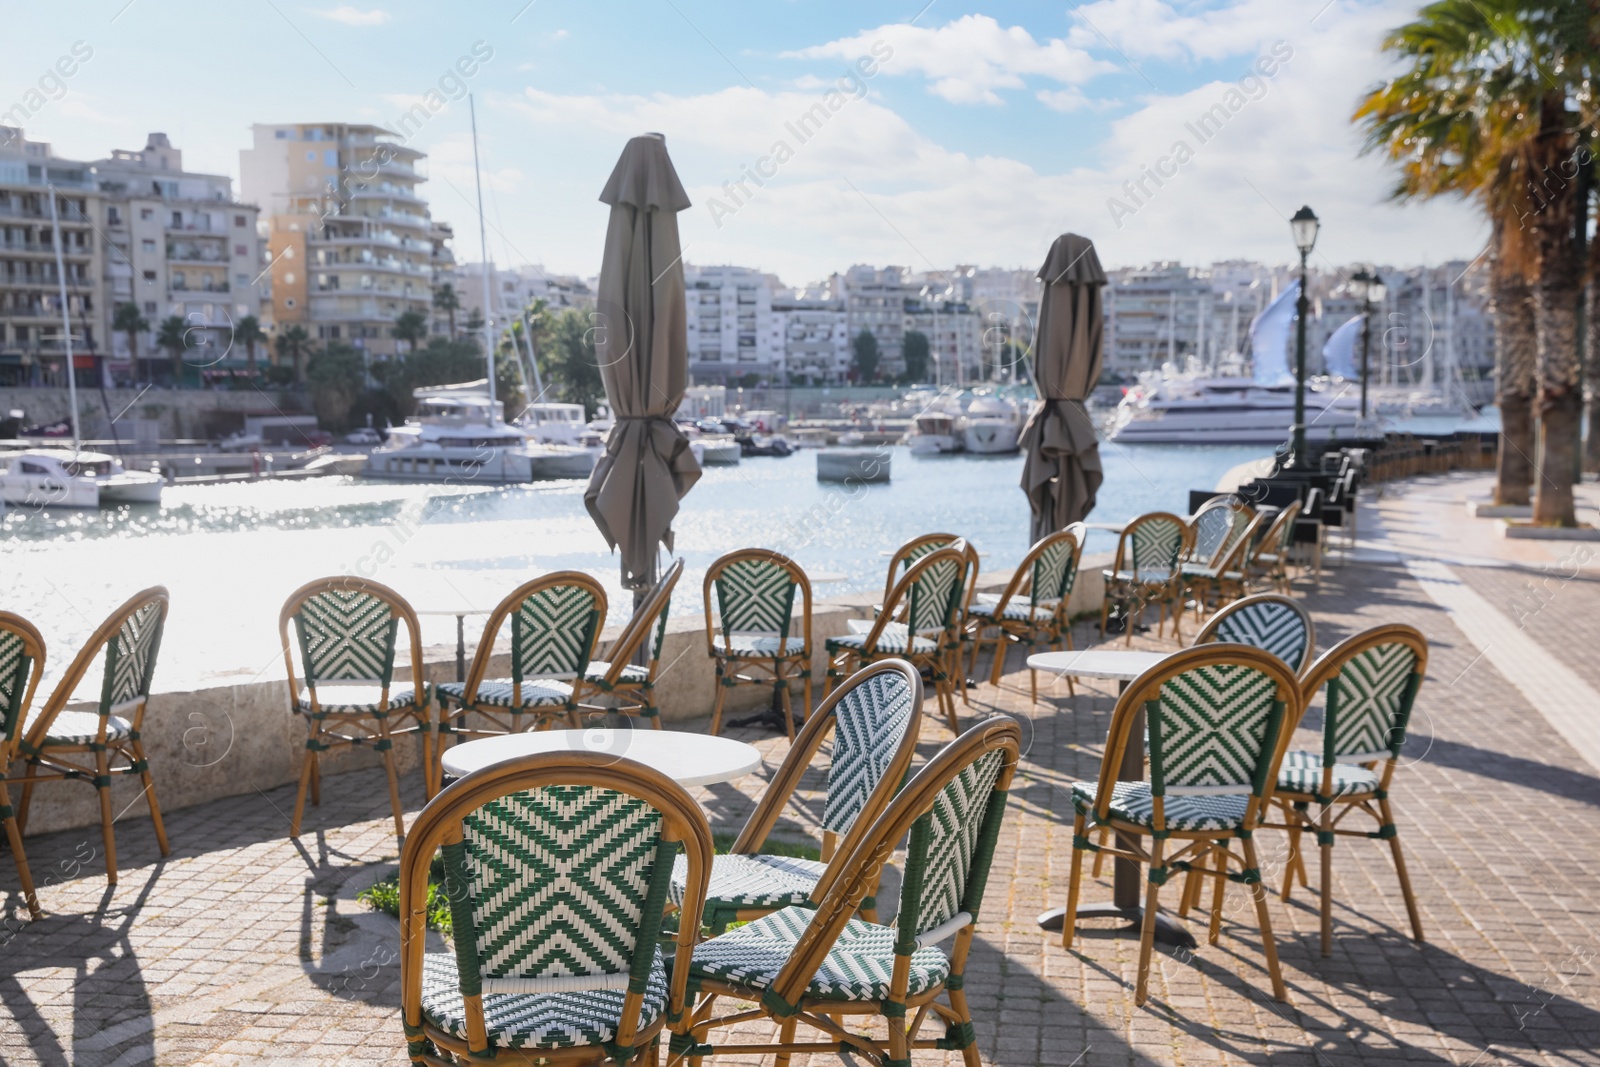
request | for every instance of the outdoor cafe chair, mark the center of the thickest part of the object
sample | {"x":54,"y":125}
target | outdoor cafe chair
{"x":1222,"y":530}
{"x":1269,"y":557}
{"x":1371,"y":681}
{"x":631,"y":684}
{"x":1268,"y":621}
{"x":1218,"y":720}
{"x":817,"y":965}
{"x":873,"y":720}
{"x":1032,"y":609}
{"x":1146,"y":568}
{"x":91,"y":746}
{"x":901,"y":559}
{"x":21,"y":666}
{"x":913,"y":550}
{"x":555,"y":627}
{"x":344,"y":630}
{"x":928,"y":597}
{"x":749,"y":600}
{"x":557,"y":867}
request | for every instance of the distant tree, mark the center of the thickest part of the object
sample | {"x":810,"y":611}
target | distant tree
{"x":474,"y":323}
{"x":336,"y":377}
{"x":294,"y":345}
{"x":447,"y":300}
{"x":916,"y":351}
{"x":411,"y":327}
{"x":247,"y":331}
{"x":126,"y":319}
{"x":563,"y":342}
{"x":864,"y":362}
{"x":173,"y":336}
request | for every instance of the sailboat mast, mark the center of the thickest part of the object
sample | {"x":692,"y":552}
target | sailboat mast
{"x":483,"y":241}
{"x":533,"y":362}
{"x":66,"y":321}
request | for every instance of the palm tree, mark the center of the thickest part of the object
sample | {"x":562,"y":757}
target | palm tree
{"x":294,"y":344}
{"x":173,"y":335}
{"x":126,"y":319}
{"x":448,"y":301}
{"x":1480,"y":111}
{"x":247,"y":331}
{"x":411,"y":327}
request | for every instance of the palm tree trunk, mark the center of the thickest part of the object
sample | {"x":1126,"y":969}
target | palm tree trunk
{"x":1560,"y":287}
{"x":1516,"y":355}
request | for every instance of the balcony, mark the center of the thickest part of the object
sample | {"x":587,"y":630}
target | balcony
{"x":184,"y":287}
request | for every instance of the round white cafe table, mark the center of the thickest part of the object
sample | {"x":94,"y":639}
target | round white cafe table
{"x":1123,"y":665}
{"x":688,"y":759}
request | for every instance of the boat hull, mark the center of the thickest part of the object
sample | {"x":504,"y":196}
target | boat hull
{"x":130,"y":488}
{"x":932,"y":444}
{"x":49,"y":492}
{"x":986,"y":437}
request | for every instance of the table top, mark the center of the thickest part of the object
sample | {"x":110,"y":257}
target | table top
{"x":688,"y":759}
{"x":458,"y":612}
{"x":1124,"y":664}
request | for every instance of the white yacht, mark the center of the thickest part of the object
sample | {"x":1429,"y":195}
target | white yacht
{"x":992,"y":424}
{"x":558,"y":424}
{"x":933,"y":433}
{"x":1184,"y":409}
{"x":458,"y":434}
{"x":62,"y":478}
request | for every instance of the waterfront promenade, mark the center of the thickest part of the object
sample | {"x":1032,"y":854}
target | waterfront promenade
{"x":245,"y":947}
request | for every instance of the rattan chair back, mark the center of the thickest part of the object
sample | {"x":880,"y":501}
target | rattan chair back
{"x":1268,"y":621}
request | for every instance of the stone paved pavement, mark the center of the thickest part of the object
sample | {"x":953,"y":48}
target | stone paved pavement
{"x":245,"y":948}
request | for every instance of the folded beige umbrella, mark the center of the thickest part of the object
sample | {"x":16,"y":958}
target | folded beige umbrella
{"x":1061,"y":466}
{"x":642,"y":346}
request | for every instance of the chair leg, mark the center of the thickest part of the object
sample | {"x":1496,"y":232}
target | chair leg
{"x":1069,"y":921}
{"x":308,"y":769}
{"x":19,"y":857}
{"x":29,"y":779}
{"x":1325,"y":846}
{"x":958,"y":1003}
{"x":1147,"y":933}
{"x":786,"y":1035}
{"x":1258,"y":892}
{"x":899,"y":1046}
{"x":716,"y":706}
{"x":788,"y":709}
{"x":393,"y":775}
{"x":1214,"y":928}
{"x":150,"y":797}
{"x":1292,"y":819}
{"x":1100,"y":857}
{"x":997,"y":669}
{"x":1400,"y":869}
{"x":805,"y":694}
{"x":102,"y":766}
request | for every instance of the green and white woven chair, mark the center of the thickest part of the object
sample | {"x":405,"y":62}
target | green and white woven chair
{"x":1268,"y":621}
{"x":749,"y":597}
{"x":928,"y":597}
{"x":1269,"y":557}
{"x":557,"y":868}
{"x":1222,"y":529}
{"x":631,"y":685}
{"x":1146,"y":569}
{"x":1033,"y":608}
{"x":344,"y":630}
{"x":555,"y":628}
{"x":1371,"y":681}
{"x":873,"y":720}
{"x":92,"y":746}
{"x":913,"y":550}
{"x":1218,"y":719}
{"x":817,"y":965}
{"x":21,"y":666}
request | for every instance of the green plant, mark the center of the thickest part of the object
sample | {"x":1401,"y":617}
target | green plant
{"x":447,"y":300}
{"x":864,"y":361}
{"x":411,"y":327}
{"x":336,"y":376}
{"x":916,"y":353}
{"x":384,"y":895}
{"x":247,"y":331}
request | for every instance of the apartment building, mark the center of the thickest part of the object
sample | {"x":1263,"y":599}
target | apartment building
{"x":513,"y":290}
{"x":733,"y":334}
{"x":180,"y":246}
{"x":32,"y":349}
{"x":815,"y":329}
{"x":350,"y":239}
{"x":875,"y":301}
{"x":955,"y":333}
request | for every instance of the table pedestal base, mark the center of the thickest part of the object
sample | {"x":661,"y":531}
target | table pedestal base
{"x":1167,"y":931}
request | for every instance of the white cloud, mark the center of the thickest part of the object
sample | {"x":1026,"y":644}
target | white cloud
{"x":968,"y":59}
{"x":1153,"y":29}
{"x":557,"y":35}
{"x":354,"y":16}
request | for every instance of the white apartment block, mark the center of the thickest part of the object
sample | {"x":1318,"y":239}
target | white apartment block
{"x":955,"y":341}
{"x":815,"y":330}
{"x":351,"y":241}
{"x":514,"y":290}
{"x":732,"y":332}
{"x":180,"y":246}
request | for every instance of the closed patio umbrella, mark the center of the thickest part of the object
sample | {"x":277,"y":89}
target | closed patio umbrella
{"x":1061,"y":469}
{"x":641,"y":345}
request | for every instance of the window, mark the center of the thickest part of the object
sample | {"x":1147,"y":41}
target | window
{"x":333,"y":333}
{"x":177,"y":220}
{"x":241,"y":279}
{"x":283,"y":135}
{"x":288,"y":302}
{"x":240,"y":250}
{"x":147,"y":246}
{"x":149,"y":275}
{"x":311,"y":157}
{"x":330,"y":158}
{"x":149,"y":307}
{"x":113,"y":217}
{"x":241,"y":309}
{"x":146,"y":213}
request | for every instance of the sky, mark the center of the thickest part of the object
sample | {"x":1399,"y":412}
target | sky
{"x":937,"y":134}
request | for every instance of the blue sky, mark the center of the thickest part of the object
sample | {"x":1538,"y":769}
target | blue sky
{"x":977,"y":136}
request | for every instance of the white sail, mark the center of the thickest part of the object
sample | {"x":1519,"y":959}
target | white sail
{"x":1269,"y":339}
{"x":1339,"y":354}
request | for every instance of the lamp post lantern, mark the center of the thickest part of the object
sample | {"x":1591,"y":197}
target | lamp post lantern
{"x":1304,"y":226}
{"x":1370,"y":288}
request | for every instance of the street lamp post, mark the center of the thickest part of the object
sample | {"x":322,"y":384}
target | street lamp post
{"x":1304,"y":226}
{"x":1370,"y":288}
